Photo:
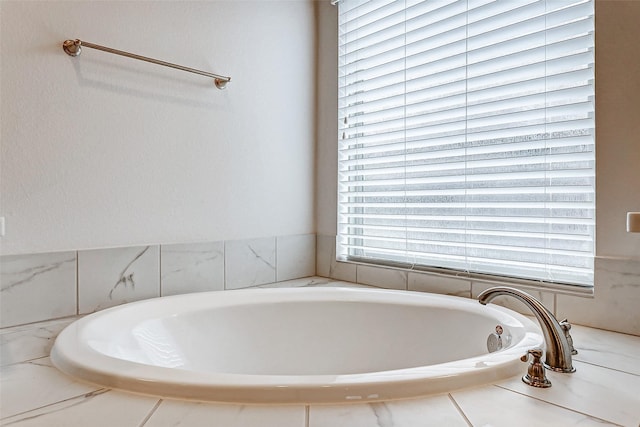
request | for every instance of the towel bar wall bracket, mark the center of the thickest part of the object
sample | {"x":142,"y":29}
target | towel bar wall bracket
{"x":74,"y":48}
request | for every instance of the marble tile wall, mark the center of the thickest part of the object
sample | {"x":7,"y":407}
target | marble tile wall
{"x":195,"y":267}
{"x":613,"y":306}
{"x":109,"y":277}
{"x":258,"y":253}
{"x":37,"y":287}
{"x":292,"y":256}
{"x":29,"y":342}
{"x":40,"y":287}
{"x":616,"y":298}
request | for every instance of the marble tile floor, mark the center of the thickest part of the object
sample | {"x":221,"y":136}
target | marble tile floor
{"x":605,"y":390}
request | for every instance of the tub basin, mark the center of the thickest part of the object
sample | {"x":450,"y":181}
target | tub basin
{"x":309,"y":345}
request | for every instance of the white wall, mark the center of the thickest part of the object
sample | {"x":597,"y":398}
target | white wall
{"x":617,"y":125}
{"x":102,"y":151}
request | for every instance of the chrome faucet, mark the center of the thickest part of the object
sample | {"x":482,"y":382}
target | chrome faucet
{"x":558,"y":349}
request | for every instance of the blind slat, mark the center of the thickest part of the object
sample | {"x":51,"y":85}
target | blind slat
{"x":466,"y":136}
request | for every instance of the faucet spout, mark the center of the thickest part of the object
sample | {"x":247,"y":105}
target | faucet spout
{"x":558,"y":350}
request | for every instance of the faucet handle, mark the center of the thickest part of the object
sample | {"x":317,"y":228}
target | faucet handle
{"x":566,"y":326}
{"x":535,"y":352}
{"x":536,"y":376}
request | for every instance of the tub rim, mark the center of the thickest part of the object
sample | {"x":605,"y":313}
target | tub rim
{"x":75,"y":357}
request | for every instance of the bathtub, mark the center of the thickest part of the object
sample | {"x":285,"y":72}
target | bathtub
{"x":295,"y":345}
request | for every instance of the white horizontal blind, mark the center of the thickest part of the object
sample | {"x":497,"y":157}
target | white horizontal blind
{"x":466,"y":136}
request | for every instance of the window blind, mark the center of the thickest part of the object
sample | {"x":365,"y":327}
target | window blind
{"x":466,"y":136}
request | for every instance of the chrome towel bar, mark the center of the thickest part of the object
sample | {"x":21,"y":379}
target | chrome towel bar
{"x":74,"y":48}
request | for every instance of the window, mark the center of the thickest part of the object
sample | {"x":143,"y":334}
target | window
{"x":466,"y":136}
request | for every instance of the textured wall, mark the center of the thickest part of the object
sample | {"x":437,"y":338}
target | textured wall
{"x":102,"y":151}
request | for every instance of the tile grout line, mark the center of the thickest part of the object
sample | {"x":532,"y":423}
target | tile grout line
{"x":460,"y":411}
{"x":224,"y":265}
{"x":26,"y":361}
{"x":224,"y":271}
{"x":276,"y":258}
{"x":151,"y":412}
{"x":85,"y":395}
{"x":160,"y":270}
{"x":556,"y":405}
{"x":77,"y":283}
{"x":606,"y":367}
{"x":23,"y":327}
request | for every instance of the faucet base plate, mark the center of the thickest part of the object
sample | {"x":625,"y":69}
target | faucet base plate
{"x":560,"y":369}
{"x":536,"y":382}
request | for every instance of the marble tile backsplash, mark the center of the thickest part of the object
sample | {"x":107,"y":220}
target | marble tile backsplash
{"x":260,"y":254}
{"x":30,"y":342}
{"x":195,"y":267}
{"x":439,"y":284}
{"x":616,"y":298}
{"x":546,"y":298}
{"x":39,"y":287}
{"x":109,"y":277}
{"x":295,"y":256}
{"x":613,"y":306}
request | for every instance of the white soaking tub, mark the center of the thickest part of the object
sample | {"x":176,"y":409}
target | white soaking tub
{"x":309,"y":345}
